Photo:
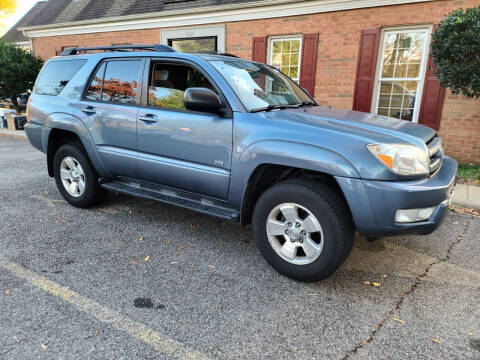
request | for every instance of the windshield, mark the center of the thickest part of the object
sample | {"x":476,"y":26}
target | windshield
{"x":259,"y":86}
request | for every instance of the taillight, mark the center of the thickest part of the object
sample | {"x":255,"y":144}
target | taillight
{"x":28,"y":108}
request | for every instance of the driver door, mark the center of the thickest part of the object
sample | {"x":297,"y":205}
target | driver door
{"x":184,"y":149}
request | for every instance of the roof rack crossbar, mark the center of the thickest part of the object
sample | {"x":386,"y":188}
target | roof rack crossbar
{"x":155,"y":47}
{"x":215,"y":53}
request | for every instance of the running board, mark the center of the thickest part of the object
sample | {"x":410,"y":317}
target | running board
{"x":174,"y":197}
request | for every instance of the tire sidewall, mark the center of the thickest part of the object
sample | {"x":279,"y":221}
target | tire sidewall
{"x":91,"y":179}
{"x":330,"y":257}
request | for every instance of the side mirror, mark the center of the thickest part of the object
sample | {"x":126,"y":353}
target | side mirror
{"x":201,"y":99}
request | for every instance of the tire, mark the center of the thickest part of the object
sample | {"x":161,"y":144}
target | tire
{"x":92,"y":194}
{"x":328,"y":248}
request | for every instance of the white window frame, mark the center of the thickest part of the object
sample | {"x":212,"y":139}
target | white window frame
{"x":272,"y":39}
{"x":196,"y":32}
{"x":427,"y":29}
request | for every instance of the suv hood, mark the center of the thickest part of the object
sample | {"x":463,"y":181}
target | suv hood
{"x":319,"y":115}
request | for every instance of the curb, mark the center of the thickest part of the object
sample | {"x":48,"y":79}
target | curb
{"x":16,"y":134}
{"x":467,"y":195}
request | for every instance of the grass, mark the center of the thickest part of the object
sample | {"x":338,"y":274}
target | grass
{"x":469,"y":173}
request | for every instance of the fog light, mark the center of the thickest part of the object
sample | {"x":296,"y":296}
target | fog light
{"x":413,"y":215}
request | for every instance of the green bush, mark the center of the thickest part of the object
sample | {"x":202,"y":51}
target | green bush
{"x":469,"y":173}
{"x":18,"y":71}
{"x":455,"y":51}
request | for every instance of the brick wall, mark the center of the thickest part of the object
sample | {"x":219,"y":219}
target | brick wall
{"x":45,"y":47}
{"x":460,"y":128}
{"x":339,"y":35}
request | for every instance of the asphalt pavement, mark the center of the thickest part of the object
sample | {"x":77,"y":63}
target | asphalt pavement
{"x":136,"y":279}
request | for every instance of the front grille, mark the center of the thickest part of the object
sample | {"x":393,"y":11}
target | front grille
{"x":435,"y":151}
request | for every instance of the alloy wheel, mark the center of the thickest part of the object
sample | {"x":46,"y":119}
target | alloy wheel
{"x":73,"y":176}
{"x":295,"y":233}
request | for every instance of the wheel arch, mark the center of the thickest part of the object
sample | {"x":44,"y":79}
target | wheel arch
{"x":60,"y":129}
{"x":56,"y":139}
{"x":266,"y":175}
{"x":279,"y":160}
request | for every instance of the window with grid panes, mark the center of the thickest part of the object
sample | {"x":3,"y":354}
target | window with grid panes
{"x":285,"y":55}
{"x":399,"y":81}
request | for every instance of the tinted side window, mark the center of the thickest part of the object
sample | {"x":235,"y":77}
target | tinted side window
{"x":120,"y":83}
{"x":94,"y":92}
{"x":168,"y":83}
{"x":56,"y":75}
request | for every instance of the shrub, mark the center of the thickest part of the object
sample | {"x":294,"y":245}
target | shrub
{"x":18,"y":71}
{"x":455,"y":51}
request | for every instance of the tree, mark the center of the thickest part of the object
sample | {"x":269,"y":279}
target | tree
{"x":455,"y":51}
{"x":18,"y":71}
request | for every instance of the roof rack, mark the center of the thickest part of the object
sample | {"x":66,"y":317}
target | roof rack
{"x":155,"y":47}
{"x":214,"y":53}
{"x":228,"y":54}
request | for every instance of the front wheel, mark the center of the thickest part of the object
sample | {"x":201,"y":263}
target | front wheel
{"x":303,"y":229}
{"x":76,"y":178}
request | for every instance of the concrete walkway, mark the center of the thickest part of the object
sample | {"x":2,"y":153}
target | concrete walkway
{"x":467,"y":195}
{"x":18,"y":134}
{"x":464,"y":195}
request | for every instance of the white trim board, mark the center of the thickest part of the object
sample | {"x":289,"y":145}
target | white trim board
{"x":208,"y":15}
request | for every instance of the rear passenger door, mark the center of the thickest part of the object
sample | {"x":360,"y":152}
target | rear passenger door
{"x":110,"y":110}
{"x":185,"y":149}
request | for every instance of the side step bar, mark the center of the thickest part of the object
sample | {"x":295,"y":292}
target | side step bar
{"x":170,"y":196}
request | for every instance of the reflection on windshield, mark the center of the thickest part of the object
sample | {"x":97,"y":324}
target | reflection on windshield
{"x":260,"y":86}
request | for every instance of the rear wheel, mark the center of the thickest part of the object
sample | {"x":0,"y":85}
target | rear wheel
{"x":303,"y":229}
{"x":76,"y":178}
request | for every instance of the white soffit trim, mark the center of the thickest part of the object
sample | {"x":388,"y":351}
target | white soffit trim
{"x":209,"y":15}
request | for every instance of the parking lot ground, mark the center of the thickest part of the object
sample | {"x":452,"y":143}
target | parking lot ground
{"x":136,"y":279}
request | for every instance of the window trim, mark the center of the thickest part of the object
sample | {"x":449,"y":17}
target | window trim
{"x":226,"y":107}
{"x":194,"y":32}
{"x":272,"y":39}
{"x":427,"y":28}
{"x":105,"y":61}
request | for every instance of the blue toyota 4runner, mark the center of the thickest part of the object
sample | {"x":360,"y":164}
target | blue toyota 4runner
{"x":237,"y":140}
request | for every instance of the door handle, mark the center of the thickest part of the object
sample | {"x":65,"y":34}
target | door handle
{"x":149,"y":118}
{"x":89,"y":110}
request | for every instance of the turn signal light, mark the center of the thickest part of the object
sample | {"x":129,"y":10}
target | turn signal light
{"x":387,"y":160}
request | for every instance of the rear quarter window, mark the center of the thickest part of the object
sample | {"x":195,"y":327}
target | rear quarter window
{"x":56,"y":75}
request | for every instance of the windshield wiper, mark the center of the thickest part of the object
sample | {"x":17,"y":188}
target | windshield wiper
{"x":272,"y":107}
{"x":310,"y":102}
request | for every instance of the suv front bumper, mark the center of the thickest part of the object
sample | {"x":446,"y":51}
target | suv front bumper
{"x":373,"y":203}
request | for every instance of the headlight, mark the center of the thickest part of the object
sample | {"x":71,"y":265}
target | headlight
{"x":401,"y":158}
